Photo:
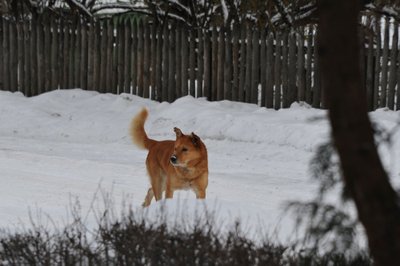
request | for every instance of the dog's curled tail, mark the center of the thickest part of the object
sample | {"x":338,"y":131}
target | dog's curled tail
{"x":138,"y":135}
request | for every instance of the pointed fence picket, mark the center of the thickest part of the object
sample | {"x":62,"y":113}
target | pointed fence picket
{"x":168,"y":61}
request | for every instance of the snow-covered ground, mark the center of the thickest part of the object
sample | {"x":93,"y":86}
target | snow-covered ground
{"x":72,"y":146}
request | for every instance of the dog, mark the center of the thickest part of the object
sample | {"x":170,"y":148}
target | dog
{"x":171,"y":165}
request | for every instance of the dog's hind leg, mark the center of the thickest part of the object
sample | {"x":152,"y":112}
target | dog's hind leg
{"x":148,"y":198}
{"x":156,"y":180}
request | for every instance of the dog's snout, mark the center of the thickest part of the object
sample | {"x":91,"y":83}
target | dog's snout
{"x":173,"y":159}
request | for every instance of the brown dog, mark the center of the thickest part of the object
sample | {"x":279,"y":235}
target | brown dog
{"x":172,"y":165}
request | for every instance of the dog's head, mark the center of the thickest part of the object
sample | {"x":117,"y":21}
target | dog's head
{"x":188,"y":148}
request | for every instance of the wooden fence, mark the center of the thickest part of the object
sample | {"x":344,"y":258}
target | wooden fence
{"x":166,"y":62}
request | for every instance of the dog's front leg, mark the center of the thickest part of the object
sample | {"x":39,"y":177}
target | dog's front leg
{"x":169,"y":193}
{"x":201,"y":194}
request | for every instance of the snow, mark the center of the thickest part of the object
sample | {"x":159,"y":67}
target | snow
{"x":70,"y":146}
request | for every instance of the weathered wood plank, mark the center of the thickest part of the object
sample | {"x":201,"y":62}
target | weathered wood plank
{"x":77,"y":54}
{"x":309,"y":61}
{"x":6,"y":54}
{"x":317,"y":79}
{"x":255,"y":66}
{"x":277,"y":72}
{"x":228,"y":67}
{"x":185,"y":61}
{"x":2,"y":37}
{"x":214,"y":63}
{"x":178,"y":60}
{"x":235,"y":62}
{"x":91,"y":54}
{"x":165,"y":64}
{"x":200,"y":63}
{"x":207,"y":65}
{"x":65,"y":44}
{"x":370,"y":67}
{"x":159,"y":55}
{"x":248,"y":82}
{"x":192,"y":62}
{"x":40,"y":58}
{"x":171,"y":64}
{"x":269,"y":89}
{"x":127,"y":53}
{"x":221,"y":65}
{"x":392,"y":67}
{"x":13,"y":67}
{"x":55,"y":54}
{"x":146,"y":60}
{"x":285,"y":69}
{"x":47,"y":54}
{"x":20,"y":57}
{"x":263,"y":66}
{"x":140,"y":54}
{"x":301,"y":79}
{"x":97,"y":59}
{"x":385,"y":63}
{"x":105,"y":66}
{"x":134,"y":57}
{"x":27,"y":59}
{"x":84,"y":58}
{"x":378,"y":54}
{"x":153,"y":48}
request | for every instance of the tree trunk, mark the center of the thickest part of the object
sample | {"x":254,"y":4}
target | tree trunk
{"x":364,"y":176}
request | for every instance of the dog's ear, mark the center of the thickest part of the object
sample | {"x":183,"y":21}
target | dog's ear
{"x":178,"y":132}
{"x":195,"y":139}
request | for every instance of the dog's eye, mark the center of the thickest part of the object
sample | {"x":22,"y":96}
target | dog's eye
{"x":184,"y":149}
